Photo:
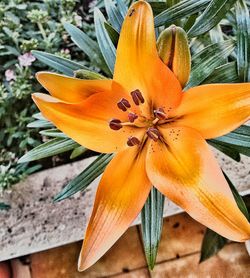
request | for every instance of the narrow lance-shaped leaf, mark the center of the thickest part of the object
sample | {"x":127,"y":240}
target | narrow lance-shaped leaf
{"x":152,"y":217}
{"x":212,"y":243}
{"x":115,"y":15}
{"x":238,"y":140}
{"x":213,"y":14}
{"x":49,"y":148}
{"x":83,"y":180}
{"x":106,"y":46}
{"x":53,"y":133}
{"x":180,"y":10}
{"x":225,"y":149}
{"x":58,"y":63}
{"x":226,"y":73}
{"x":87,"y":45}
{"x":113,"y":34}
{"x":243,"y":40}
{"x":205,"y":61}
{"x":77,"y":152}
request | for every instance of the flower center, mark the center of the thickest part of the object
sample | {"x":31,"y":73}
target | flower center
{"x":158,"y":117}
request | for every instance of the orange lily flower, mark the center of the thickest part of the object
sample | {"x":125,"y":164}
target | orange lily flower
{"x":158,"y":133}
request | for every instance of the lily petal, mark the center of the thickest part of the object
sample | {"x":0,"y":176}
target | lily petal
{"x":184,"y":169}
{"x":214,"y":109}
{"x":120,"y":197}
{"x":71,"y":89}
{"x":87,"y":122}
{"x":138,"y":65}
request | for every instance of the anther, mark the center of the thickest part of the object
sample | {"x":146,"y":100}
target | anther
{"x":153,"y":133}
{"x":132,"y":141}
{"x":115,"y":124}
{"x":160,"y":114}
{"x":137,"y":97}
{"x":123,"y":104}
{"x":132,"y":117}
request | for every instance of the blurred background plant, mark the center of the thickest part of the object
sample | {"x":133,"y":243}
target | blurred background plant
{"x":25,"y":26}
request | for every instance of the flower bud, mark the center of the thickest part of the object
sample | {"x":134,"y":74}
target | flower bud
{"x":173,"y":50}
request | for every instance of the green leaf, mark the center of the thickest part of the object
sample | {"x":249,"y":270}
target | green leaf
{"x":113,"y":34}
{"x":205,"y":61}
{"x":122,"y":7}
{"x":87,"y":45}
{"x":53,"y":133}
{"x":58,"y":63}
{"x":212,"y":243}
{"x":239,"y":137}
{"x":226,"y":73}
{"x":212,"y":15}
{"x":114,"y":14}
{"x":40,"y":124}
{"x":180,"y":10}
{"x":106,"y":46}
{"x":83,"y":180}
{"x":243,"y":40}
{"x":77,"y":152}
{"x":237,"y":197}
{"x":226,"y":150}
{"x":238,"y":140}
{"x":4,"y":206}
{"x":158,"y":7}
{"x":152,"y":217}
{"x":49,"y":148}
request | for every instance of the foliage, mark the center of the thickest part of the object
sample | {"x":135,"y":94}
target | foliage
{"x":26,"y":26}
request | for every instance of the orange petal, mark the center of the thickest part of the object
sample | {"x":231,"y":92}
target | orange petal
{"x":214,"y":109}
{"x":71,"y":89}
{"x":88,"y":122}
{"x":138,"y":65}
{"x":184,"y":169}
{"x":120,"y":197}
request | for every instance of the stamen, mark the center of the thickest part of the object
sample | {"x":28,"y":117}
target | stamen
{"x":160,"y":114}
{"x":153,"y":133}
{"x":123,"y":104}
{"x":115,"y":124}
{"x":132,"y":141}
{"x":137,"y":97}
{"x":132,"y":117}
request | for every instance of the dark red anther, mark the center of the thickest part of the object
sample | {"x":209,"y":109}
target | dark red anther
{"x":115,"y":124}
{"x":153,"y":133}
{"x":160,"y":114}
{"x":132,"y":117}
{"x":132,"y":141}
{"x":137,"y":97}
{"x":123,"y":104}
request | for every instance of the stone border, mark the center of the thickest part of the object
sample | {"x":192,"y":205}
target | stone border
{"x":34,"y":223}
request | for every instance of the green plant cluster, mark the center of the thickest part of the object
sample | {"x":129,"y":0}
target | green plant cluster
{"x":26,"y":26}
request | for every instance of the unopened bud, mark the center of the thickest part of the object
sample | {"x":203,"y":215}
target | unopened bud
{"x":173,"y":50}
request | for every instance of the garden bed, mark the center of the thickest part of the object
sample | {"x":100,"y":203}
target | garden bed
{"x":35,"y":223}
